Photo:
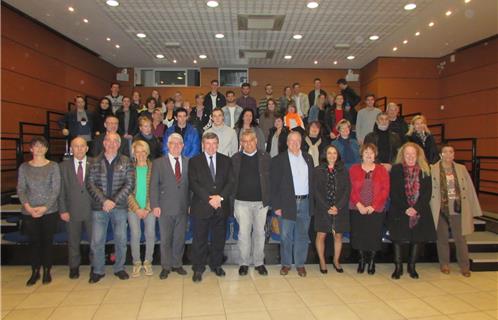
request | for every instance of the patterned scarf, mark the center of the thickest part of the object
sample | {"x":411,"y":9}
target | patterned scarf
{"x":313,"y":150}
{"x":443,"y":189}
{"x":412,"y":189}
{"x":331,"y":191}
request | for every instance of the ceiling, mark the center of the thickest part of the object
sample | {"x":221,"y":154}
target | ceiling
{"x":193,"y":25}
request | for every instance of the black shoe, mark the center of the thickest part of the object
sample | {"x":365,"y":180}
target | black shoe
{"x":398,"y":261}
{"x":164,"y":274}
{"x":398,"y":271}
{"x":411,"y":271}
{"x":261,"y":270}
{"x":371,"y":263}
{"x":361,"y":263}
{"x":47,"y":278}
{"x":122,"y":275}
{"x":35,"y":276}
{"x":324,"y":271}
{"x":412,"y":260}
{"x":243,"y":270}
{"x":219,"y":271}
{"x":74,"y":273}
{"x":95,"y":277}
{"x":197,"y":277}
{"x":339,"y":270}
{"x":180,"y":271}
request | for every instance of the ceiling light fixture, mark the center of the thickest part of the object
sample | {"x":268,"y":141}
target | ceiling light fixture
{"x":112,"y":3}
{"x":71,"y":9}
{"x":417,"y":33}
{"x":395,"y":49}
{"x":335,"y":62}
{"x":203,"y":56}
{"x":219,"y":36}
{"x":174,"y":61}
{"x":287,"y":57}
{"x":315,"y":62}
{"x":350,"y":57}
{"x":448,"y":13}
{"x":410,"y":6}
{"x":108,"y":39}
{"x":179,"y":78}
{"x":195,"y":61}
{"x":374,"y":37}
{"x":297,"y":36}
{"x":85,"y":20}
{"x":160,"y":56}
{"x":117,"y":46}
{"x":312,"y":4}
{"x":212,"y":4}
{"x":141,"y":35}
{"x":405,"y":41}
{"x":467,"y":1}
{"x":431,"y":24}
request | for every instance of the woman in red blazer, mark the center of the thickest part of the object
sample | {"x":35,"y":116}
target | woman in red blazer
{"x":369,"y":192}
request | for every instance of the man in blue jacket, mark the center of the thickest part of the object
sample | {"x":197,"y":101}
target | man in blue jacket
{"x":191,"y":140}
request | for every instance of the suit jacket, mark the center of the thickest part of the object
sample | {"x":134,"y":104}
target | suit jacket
{"x":282,"y":185}
{"x":220,"y":101}
{"x":202,"y":185}
{"x":70,"y":121}
{"x":264,"y":174}
{"x":165,"y":193}
{"x":311,"y":96}
{"x":132,"y":125}
{"x":303,"y":103}
{"x":74,"y":198}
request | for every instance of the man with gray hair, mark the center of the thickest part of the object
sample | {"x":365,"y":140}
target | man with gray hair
{"x":169,"y":199}
{"x":397,"y":124}
{"x":251,"y":174}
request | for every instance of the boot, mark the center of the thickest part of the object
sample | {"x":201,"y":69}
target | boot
{"x":35,"y":275}
{"x":398,"y":261}
{"x":371,"y":263}
{"x":412,"y":260}
{"x":361,"y":262}
{"x":47,"y":278}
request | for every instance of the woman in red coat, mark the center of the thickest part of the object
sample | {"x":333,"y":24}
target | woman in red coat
{"x":369,"y":192}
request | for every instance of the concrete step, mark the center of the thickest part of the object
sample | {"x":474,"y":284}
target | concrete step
{"x":483,"y":261}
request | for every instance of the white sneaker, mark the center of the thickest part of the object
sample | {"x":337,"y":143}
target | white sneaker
{"x":137,"y":266}
{"x":148,"y":268}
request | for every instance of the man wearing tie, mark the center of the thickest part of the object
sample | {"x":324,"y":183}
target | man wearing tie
{"x":210,"y":182}
{"x":75,"y":202}
{"x":169,"y":197}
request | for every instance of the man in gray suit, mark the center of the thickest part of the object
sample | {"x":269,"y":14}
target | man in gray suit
{"x":169,"y":200}
{"x":75,"y":202}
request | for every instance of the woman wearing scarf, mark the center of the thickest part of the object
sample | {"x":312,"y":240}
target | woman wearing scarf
{"x":420,"y":134}
{"x":331,"y":188}
{"x":348,"y":147}
{"x":454,"y":205}
{"x":409,"y":218}
{"x":314,"y":143}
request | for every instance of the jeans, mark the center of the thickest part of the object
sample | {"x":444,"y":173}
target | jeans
{"x":251,"y":216}
{"x":294,"y":237}
{"x":101,"y":219}
{"x":135,"y":236}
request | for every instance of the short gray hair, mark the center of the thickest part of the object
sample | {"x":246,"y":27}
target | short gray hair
{"x":176,"y":136}
{"x":294,"y":133}
{"x":209,"y":136}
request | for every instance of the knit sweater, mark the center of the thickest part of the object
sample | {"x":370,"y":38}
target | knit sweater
{"x":228,"y":142}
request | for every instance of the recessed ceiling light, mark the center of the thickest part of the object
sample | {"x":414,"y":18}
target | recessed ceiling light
{"x":287,"y":57}
{"x":315,"y":62}
{"x":431,"y":24}
{"x":467,"y":1}
{"x":395,"y":49}
{"x":108,"y":39}
{"x":312,"y":4}
{"x":85,"y":20}
{"x":160,"y":56}
{"x":141,"y":35}
{"x":410,"y":6}
{"x":71,"y":9}
{"x":374,"y":37}
{"x":112,"y":3}
{"x":448,"y":13}
{"x":117,"y":46}
{"x":297,"y":36}
{"x":179,"y":78}
{"x":335,"y":62}
{"x":350,"y":57}
{"x":203,"y":56}
{"x":212,"y":4}
{"x":219,"y":36}
{"x":195,"y":61}
{"x":405,"y":41}
{"x":417,"y":33}
{"x":174,"y":61}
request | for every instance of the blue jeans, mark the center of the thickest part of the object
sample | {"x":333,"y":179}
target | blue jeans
{"x":135,"y":236}
{"x":100,"y":223}
{"x":294,"y":237}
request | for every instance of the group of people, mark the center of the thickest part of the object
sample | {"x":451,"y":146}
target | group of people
{"x":325,"y":168}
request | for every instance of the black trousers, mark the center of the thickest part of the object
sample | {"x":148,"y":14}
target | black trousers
{"x":41,"y":236}
{"x":203,"y":226}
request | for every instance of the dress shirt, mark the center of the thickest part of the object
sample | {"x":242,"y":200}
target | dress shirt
{"x":172,"y":161}
{"x":83,"y":164}
{"x":299,"y":169}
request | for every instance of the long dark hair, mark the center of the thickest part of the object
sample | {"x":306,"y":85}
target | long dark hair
{"x":323,"y":156}
{"x":106,"y":110}
{"x":240,"y":122}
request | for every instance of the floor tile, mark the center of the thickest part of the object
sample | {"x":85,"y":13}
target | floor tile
{"x":422,"y":289}
{"x":306,"y":284}
{"x":471,"y":316}
{"x":160,"y":309}
{"x":480,"y":300}
{"x":390,"y":291}
{"x":84,"y":297}
{"x":272,"y":285}
{"x":355,"y":294}
{"x":201,"y":305}
{"x":454,"y":286}
{"x":449,"y":304}
{"x":29,"y":314}
{"x":42,"y":300}
{"x":291,"y":314}
{"x":243,"y":303}
{"x":320,"y":297}
{"x":238,"y":287}
{"x":259,"y":315}
{"x":74,"y":313}
{"x":119,"y":295}
{"x":412,"y":308}
{"x":121,"y":311}
{"x":282,"y":300}
{"x":10,"y":301}
{"x":375,"y":311}
{"x":339,"y":312}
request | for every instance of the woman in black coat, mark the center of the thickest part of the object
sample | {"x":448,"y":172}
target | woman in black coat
{"x":279,"y":132}
{"x":331,"y":189}
{"x":410,"y":218}
{"x":420,"y":134}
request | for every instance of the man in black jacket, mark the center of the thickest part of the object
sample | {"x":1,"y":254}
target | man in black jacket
{"x":351,"y":98}
{"x":316,"y":92}
{"x":210,"y":181}
{"x":386,"y":141}
{"x":291,"y":181}
{"x":397,"y":124}
{"x":251,"y":174}
{"x":214,"y":99}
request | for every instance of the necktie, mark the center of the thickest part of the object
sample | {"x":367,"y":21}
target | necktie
{"x":178,"y":174}
{"x":79,"y":172}
{"x":211,"y":168}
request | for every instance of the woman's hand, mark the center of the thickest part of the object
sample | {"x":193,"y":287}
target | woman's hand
{"x":361,"y":208}
{"x":411,"y":212}
{"x":333,"y":210}
{"x":370,"y":209}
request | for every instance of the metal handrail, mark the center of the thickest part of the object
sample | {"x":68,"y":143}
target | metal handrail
{"x":384,"y":105}
{"x":18,"y":152}
{"x":480,"y":169}
{"x":22,"y":132}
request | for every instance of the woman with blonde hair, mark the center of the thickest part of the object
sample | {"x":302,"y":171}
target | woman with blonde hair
{"x":454,"y":205}
{"x":139,"y":209}
{"x":409,"y":218}
{"x":420,"y":134}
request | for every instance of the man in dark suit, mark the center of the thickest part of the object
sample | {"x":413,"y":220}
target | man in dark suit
{"x":214,"y":99}
{"x":316,"y":92}
{"x":111,"y":125}
{"x":75,"y":204}
{"x":291,"y":181}
{"x":169,"y":199}
{"x":210,"y":182}
{"x":78,"y":122}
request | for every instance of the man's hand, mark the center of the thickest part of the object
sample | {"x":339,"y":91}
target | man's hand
{"x":141,"y":213}
{"x":156,"y":212}
{"x":215,"y":201}
{"x":411,"y":212}
{"x":64,"y":216}
{"x":108,"y":205}
{"x":278,"y":212}
{"x":65,"y":132}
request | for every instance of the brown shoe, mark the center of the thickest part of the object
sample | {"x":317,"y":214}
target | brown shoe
{"x":284,"y":270}
{"x":301,"y":272}
{"x":466,"y":274}
{"x":445,"y":269}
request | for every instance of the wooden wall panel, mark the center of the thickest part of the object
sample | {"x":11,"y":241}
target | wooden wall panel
{"x":478,"y":79}
{"x":408,"y":68}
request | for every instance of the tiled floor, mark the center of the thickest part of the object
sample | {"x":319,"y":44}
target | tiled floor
{"x":334,"y":296}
